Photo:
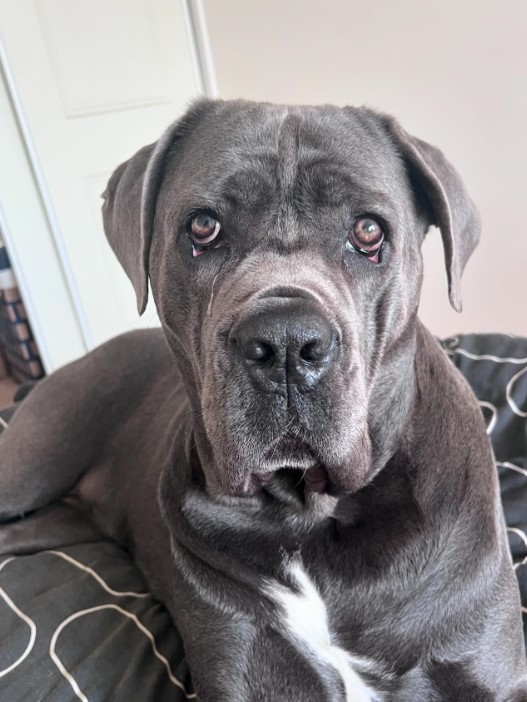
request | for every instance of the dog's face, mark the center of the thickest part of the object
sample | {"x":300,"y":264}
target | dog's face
{"x":283,"y":247}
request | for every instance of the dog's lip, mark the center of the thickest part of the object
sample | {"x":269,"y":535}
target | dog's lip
{"x":290,"y":451}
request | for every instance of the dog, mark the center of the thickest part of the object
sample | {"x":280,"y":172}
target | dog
{"x":294,"y":463}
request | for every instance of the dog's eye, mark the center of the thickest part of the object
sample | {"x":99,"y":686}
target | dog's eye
{"x":367,"y":237}
{"x":204,"y":231}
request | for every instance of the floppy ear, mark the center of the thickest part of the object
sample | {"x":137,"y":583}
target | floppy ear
{"x":130,"y":202}
{"x":447,"y":201}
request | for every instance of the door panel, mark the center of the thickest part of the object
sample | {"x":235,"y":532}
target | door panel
{"x":122,"y":69}
{"x":93,"y":81}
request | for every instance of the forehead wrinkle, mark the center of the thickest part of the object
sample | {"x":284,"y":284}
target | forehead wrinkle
{"x":288,"y":144}
{"x":247,"y":186}
{"x":311,"y":173}
{"x":323,"y":187}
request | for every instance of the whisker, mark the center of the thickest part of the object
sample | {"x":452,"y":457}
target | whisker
{"x":301,"y":478}
{"x":275,"y":447}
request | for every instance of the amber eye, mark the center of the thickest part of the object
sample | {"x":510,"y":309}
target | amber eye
{"x":204,"y":231}
{"x":367,"y":237}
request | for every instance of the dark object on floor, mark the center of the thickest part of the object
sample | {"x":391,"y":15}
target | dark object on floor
{"x":16,"y":337}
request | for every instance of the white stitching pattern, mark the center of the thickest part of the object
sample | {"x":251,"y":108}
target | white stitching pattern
{"x":31,"y":624}
{"x":76,"y":615}
{"x":494,"y":418}
{"x":508,"y":390}
{"x":140,"y":626}
{"x":488,"y":357}
{"x":97,"y":577}
{"x":512,"y":466}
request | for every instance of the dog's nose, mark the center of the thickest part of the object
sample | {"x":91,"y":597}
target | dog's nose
{"x":288,"y":343}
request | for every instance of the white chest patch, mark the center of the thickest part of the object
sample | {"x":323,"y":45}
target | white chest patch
{"x":306,"y":624}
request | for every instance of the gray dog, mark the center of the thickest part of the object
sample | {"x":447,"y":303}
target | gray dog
{"x":293,"y":462}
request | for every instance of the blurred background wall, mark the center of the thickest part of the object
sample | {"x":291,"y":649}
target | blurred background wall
{"x":453,"y":71}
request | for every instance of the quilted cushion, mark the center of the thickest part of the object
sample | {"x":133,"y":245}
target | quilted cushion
{"x":495,"y":365}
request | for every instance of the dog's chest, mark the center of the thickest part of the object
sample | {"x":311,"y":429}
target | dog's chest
{"x":327,"y":588}
{"x":305,"y":620}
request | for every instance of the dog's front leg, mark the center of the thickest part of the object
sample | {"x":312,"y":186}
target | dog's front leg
{"x":46,"y":447}
{"x":235,"y":659}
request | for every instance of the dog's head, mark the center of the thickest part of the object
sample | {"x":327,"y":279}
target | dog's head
{"x":283,"y":246}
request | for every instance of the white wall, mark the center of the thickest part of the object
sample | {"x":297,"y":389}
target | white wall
{"x":453,"y":71}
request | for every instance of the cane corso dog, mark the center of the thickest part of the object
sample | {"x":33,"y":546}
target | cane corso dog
{"x":299,"y":471}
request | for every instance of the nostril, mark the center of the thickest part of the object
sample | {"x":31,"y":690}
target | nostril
{"x":314,"y":351}
{"x":258,"y":351}
{"x":309,"y":352}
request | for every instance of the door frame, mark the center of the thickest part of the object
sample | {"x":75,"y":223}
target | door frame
{"x":27,"y":221}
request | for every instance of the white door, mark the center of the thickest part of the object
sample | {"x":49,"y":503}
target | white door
{"x":92,"y":81}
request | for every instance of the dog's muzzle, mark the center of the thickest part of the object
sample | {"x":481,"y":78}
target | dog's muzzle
{"x":286,"y":347}
{"x":286,"y":344}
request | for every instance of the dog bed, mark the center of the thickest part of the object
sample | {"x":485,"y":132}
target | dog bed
{"x":78,"y":623}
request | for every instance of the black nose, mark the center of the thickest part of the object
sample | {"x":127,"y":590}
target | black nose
{"x":287,"y":343}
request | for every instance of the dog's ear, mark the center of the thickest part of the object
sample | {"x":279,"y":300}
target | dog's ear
{"x":130,"y":201}
{"x":446,"y":200}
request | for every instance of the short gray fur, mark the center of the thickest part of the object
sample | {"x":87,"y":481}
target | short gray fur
{"x":160,"y":437}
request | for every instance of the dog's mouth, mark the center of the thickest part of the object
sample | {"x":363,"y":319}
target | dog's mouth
{"x":291,"y":466}
{"x":313,"y":479}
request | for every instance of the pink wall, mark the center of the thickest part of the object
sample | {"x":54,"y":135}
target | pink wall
{"x":454,"y":72}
